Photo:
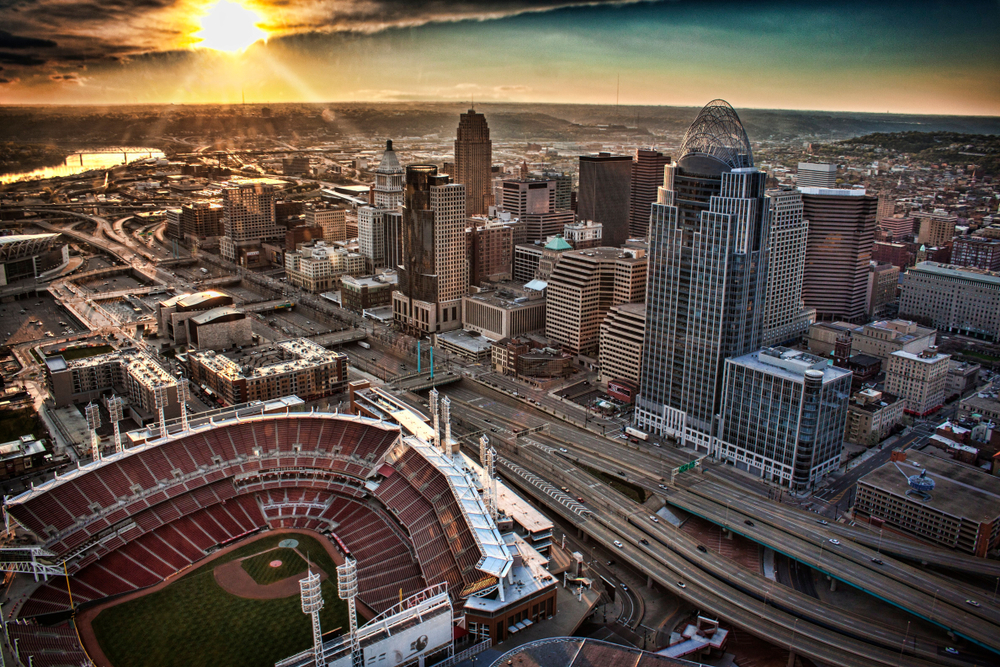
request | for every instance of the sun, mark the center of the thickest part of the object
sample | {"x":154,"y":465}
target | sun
{"x":228,"y":26}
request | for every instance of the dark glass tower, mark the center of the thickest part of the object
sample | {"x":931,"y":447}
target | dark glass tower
{"x":474,"y":161}
{"x":707,"y":277}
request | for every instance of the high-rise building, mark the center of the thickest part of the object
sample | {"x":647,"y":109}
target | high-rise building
{"x":935,"y":229}
{"x":200,"y":220}
{"x":785,"y":316}
{"x":707,"y":276}
{"x":581,"y":289}
{"x":491,"y":248}
{"x":896,"y":227}
{"x":526,"y":259}
{"x":523,"y":196}
{"x":647,"y":177}
{"x":812,"y":175}
{"x":883,"y":287}
{"x":247,"y":220}
{"x":838,"y":251}
{"x":564,"y":189}
{"x":605,"y":185}
{"x":783,"y":416}
{"x":620,"y":352}
{"x":380,"y":225}
{"x":886,"y":206}
{"x":951,"y":298}
{"x":474,"y":161}
{"x":920,"y":379}
{"x":332,"y":218}
{"x":976,"y":252}
{"x":434,"y":275}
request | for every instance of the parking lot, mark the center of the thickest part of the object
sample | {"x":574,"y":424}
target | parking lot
{"x":30,"y":318}
{"x":113,"y":284}
{"x":243,"y":294}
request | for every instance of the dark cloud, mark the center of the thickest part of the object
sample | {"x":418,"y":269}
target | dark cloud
{"x":9,"y":41}
{"x":65,"y":77}
{"x":3,"y":81}
{"x":22,"y":59}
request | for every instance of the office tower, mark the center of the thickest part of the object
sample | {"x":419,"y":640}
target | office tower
{"x":976,"y":252}
{"x":584,"y":284}
{"x":935,"y":229}
{"x":491,"y":249}
{"x":434,"y":274}
{"x":247,"y":219}
{"x":816,"y":175}
{"x":886,"y":206}
{"x":332,"y":218}
{"x":919,"y":379}
{"x":620,"y":351}
{"x":707,"y":276}
{"x":897,"y":227}
{"x":783,"y":416}
{"x":785,"y":316}
{"x":605,"y":184}
{"x":959,"y":300}
{"x":883,"y":284}
{"x":379,"y":226}
{"x":838,"y":251}
{"x":564,"y":189}
{"x":526,"y":259}
{"x":474,"y":161}
{"x":201,"y":220}
{"x":647,"y":177}
{"x":523,"y":196}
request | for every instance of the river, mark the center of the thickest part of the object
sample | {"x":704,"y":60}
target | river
{"x":82,"y":161}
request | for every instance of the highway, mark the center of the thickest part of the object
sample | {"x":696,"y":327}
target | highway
{"x":559,"y":441}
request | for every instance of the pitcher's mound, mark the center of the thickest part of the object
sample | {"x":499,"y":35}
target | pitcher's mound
{"x":233,"y":579}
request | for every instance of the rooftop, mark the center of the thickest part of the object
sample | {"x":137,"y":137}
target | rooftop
{"x":961,"y":491}
{"x":467,"y":340}
{"x":928,"y":359}
{"x":789,"y":364}
{"x":214,"y":314}
{"x":198,"y":298}
{"x":529,"y":577}
{"x":958,"y":272}
{"x":834,"y":192}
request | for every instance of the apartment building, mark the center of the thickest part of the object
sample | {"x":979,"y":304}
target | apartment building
{"x":920,"y":379}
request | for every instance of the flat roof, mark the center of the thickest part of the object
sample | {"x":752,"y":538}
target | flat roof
{"x":215,"y":313}
{"x":464,"y":339}
{"x":960,"y":273}
{"x":961,"y":491}
{"x":529,"y":578}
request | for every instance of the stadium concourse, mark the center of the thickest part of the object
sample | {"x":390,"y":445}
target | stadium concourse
{"x":132,"y":519}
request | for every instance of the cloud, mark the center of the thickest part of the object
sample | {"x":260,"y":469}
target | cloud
{"x":9,"y":41}
{"x":22,"y":59}
{"x":512,"y":89}
{"x":3,"y":81}
{"x":71,"y":77}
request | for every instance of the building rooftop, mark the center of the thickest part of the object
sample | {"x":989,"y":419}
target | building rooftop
{"x":921,"y":357}
{"x":214,"y":314}
{"x":961,"y":491}
{"x":468,"y":340}
{"x":583,"y":652}
{"x":789,"y":364}
{"x":530,"y":577}
{"x":22,"y":238}
{"x":26,"y":445}
{"x":379,"y":280}
{"x":198,"y":298}
{"x":959,"y":272}
{"x":834,"y":192}
{"x":558,"y":243}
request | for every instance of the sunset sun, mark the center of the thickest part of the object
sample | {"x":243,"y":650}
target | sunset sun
{"x":229,"y":26}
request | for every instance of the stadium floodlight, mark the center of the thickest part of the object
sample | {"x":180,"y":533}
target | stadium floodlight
{"x":446,"y":420}
{"x":116,"y":412}
{"x":182,"y":398}
{"x":347,"y":589}
{"x":160,"y":400}
{"x":93,"y":423}
{"x":490,"y":487}
{"x":432,"y":402}
{"x":312,"y":602}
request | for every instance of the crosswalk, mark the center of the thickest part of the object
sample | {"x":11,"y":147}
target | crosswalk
{"x":545,"y":487}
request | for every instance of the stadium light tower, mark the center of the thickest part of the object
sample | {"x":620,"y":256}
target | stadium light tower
{"x":160,"y":398}
{"x":115,"y":410}
{"x":488,"y":456}
{"x":432,"y":402}
{"x":94,"y":423}
{"x":347,"y":589}
{"x":446,"y":420}
{"x":312,"y":602}
{"x":182,"y":396}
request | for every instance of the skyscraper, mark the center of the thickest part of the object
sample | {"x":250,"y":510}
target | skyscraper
{"x":812,"y":175}
{"x":707,"y":276}
{"x":434,"y":274}
{"x":647,"y":177}
{"x":474,"y":161}
{"x":248,"y":219}
{"x":838,"y":250}
{"x":379,"y":237}
{"x":605,"y":184}
{"x":785,"y":316}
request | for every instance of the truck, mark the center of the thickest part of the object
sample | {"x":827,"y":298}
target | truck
{"x":365,"y":345}
{"x":636,"y":433}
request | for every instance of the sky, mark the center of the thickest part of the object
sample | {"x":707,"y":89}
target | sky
{"x":886,"y":56}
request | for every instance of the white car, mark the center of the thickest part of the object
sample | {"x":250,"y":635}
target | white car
{"x":619,"y":544}
{"x":653,"y":518}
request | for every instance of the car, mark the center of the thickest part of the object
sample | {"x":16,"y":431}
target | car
{"x":834,"y":540}
{"x":681,"y":584}
{"x":619,"y":544}
{"x":823,"y":522}
{"x":654,"y":518}
{"x":611,"y":563}
{"x":951,"y":650}
{"x":972,"y":602}
{"x":877,"y":561}
{"x":644,"y":542}
{"x":662,"y":486}
{"x":564,"y":489}
{"x":563,"y":450}
{"x":748,"y":522}
{"x":702,"y":549}
{"x":624,"y":587}
{"x":579,"y":500}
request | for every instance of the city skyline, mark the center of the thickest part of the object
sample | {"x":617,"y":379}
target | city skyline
{"x":810,"y":56}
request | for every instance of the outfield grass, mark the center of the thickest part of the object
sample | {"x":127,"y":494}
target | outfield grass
{"x":194,"y":622}
{"x":259,"y":567}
